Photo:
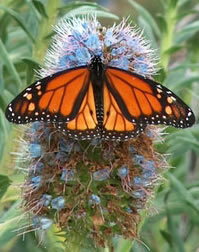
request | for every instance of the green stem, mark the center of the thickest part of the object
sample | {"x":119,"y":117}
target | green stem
{"x":41,"y":45}
{"x":167,"y":36}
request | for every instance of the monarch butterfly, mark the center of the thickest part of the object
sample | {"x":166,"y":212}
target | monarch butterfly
{"x":99,"y":101}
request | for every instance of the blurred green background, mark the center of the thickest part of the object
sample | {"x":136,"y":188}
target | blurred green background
{"x":172,"y":26}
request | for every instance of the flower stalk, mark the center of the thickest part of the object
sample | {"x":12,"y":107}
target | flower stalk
{"x":91,"y":190}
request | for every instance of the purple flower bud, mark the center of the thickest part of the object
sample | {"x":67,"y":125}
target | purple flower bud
{"x":94,"y":200}
{"x":35,"y":150}
{"x":149,"y":133}
{"x":138,"y":160}
{"x":139,"y":181}
{"x":67,"y":175}
{"x":45,"y":200}
{"x":138,"y":194}
{"x":35,"y":126}
{"x":132,"y":150}
{"x":41,"y":222}
{"x":123,"y":171}
{"x":65,"y":146}
{"x":129,"y":210}
{"x":62,"y":156}
{"x":109,"y":39}
{"x":93,"y":42}
{"x":45,"y":223}
{"x":36,"y":181}
{"x":149,"y":170}
{"x":58,"y":203}
{"x":101,"y":175}
{"x":38,"y":167}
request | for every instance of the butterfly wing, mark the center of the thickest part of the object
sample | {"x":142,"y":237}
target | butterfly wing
{"x":115,"y":125}
{"x":65,"y":98}
{"x":143,"y":101}
{"x":84,"y":125}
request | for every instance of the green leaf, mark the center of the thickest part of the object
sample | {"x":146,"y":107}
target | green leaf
{"x":1,"y":79}
{"x":32,"y":65}
{"x":182,"y":2}
{"x":40,"y":8}
{"x":76,"y":4}
{"x":167,"y":236}
{"x":187,"y":32}
{"x":163,"y":23}
{"x":173,"y":4}
{"x":19,"y":20}
{"x":4,"y":124}
{"x":4,"y":56}
{"x":182,"y":81}
{"x":10,"y":221}
{"x":147,"y":16}
{"x":4,"y":184}
{"x":4,"y":22}
{"x":90,"y":10}
{"x":173,"y":49}
{"x":183,"y":193}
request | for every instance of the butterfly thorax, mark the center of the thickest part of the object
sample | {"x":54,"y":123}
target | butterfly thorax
{"x":97,"y":69}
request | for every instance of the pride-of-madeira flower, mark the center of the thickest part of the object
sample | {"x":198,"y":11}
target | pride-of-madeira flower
{"x":95,"y":188}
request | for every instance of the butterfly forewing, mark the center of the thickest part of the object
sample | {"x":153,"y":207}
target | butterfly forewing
{"x":54,"y":98}
{"x":143,"y":101}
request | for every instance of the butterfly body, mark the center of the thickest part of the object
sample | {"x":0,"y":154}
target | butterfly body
{"x":97,"y":71}
{"x":99,"y":101}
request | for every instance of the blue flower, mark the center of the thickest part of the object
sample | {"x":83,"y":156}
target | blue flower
{"x":109,"y":39}
{"x":58,"y":203}
{"x":93,"y":42}
{"x":67,"y":175}
{"x":82,"y":55}
{"x":65,"y":145}
{"x":101,"y":175}
{"x":138,"y":194}
{"x":149,"y":169}
{"x":35,"y":126}
{"x":138,"y":159}
{"x":139,"y":181}
{"x":45,"y":200}
{"x":132,"y":150}
{"x":37,"y":168}
{"x":41,"y":222}
{"x":141,"y":68}
{"x":62,"y":156}
{"x":94,"y":200}
{"x":118,"y":51}
{"x":123,"y":171}
{"x":36,"y":181}
{"x":35,"y":150}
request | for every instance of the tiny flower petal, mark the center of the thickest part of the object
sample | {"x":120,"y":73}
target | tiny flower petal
{"x":35,"y":150}
{"x":94,"y":200}
{"x":101,"y":175}
{"x":67,"y":175}
{"x":123,"y":171}
{"x":58,"y":203}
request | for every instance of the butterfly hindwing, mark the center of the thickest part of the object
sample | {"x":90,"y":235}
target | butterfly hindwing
{"x":84,"y":125}
{"x":55,"y":98}
{"x":143,"y":101}
{"x":115,"y":125}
